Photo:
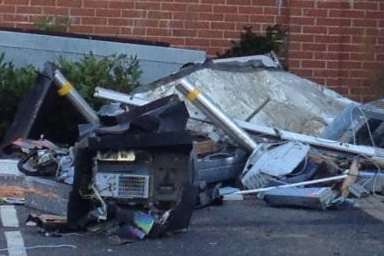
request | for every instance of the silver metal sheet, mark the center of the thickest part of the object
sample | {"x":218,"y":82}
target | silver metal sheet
{"x":275,"y":162}
{"x":282,"y":159}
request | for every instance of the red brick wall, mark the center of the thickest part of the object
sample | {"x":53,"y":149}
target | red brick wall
{"x":339,"y":43}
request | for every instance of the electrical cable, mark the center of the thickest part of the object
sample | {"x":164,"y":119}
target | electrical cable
{"x":368,"y":126}
{"x":379,"y":171}
{"x":370,"y":134}
{"x":353,"y":128}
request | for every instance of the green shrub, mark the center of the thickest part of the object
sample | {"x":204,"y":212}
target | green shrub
{"x":14,"y":82}
{"x":251,"y":43}
{"x":118,"y":72}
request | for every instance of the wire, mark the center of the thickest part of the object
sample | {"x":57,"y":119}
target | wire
{"x":366,"y":121}
{"x":379,"y":171}
{"x":367,"y":124}
{"x":40,"y":246}
{"x":353,"y":128}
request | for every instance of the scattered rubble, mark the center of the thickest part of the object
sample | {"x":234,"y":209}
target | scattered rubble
{"x":213,"y":132}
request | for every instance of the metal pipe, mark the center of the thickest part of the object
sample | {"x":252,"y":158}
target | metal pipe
{"x":118,"y":96}
{"x":217,"y":117}
{"x":258,"y":190}
{"x":377,"y":154}
{"x":67,"y":90}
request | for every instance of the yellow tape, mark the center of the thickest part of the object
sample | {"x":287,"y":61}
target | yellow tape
{"x":192,"y":95}
{"x":65,"y":89}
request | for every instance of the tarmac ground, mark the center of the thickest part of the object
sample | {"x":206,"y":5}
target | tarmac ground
{"x":235,"y":228}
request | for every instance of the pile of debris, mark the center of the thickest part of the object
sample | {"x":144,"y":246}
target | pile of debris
{"x":211,"y":132}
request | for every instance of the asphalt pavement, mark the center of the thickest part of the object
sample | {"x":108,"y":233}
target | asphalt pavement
{"x":235,"y":228}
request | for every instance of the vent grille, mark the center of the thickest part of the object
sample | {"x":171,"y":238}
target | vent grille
{"x":133,"y":186}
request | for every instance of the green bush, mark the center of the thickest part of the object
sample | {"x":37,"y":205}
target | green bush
{"x":118,"y":72}
{"x":14,"y":82}
{"x":251,"y":43}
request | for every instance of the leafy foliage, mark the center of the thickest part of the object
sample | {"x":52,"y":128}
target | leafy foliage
{"x":251,"y":43}
{"x":13,"y":84}
{"x":117,"y":72}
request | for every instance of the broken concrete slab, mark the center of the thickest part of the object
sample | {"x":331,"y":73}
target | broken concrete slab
{"x":9,"y":190}
{"x":9,"y":167}
{"x":296,"y":104}
{"x":35,"y":49}
{"x":47,"y":195}
{"x":39,"y":193}
{"x":11,"y":179}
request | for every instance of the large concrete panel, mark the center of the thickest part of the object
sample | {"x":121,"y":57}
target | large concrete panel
{"x":36,"y":49}
{"x":293,"y":103}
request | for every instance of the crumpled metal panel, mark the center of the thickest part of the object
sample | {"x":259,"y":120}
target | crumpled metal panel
{"x":275,"y":162}
{"x":295,"y":104}
{"x":282,"y":159}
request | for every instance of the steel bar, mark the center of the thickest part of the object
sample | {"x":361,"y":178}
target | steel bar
{"x":376,"y":153}
{"x":217,"y":117}
{"x":309,"y":182}
{"x":67,"y":90}
{"x":118,"y":96}
{"x":313,"y":140}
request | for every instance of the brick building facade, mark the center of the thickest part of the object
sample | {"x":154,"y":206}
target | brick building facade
{"x":339,"y":43}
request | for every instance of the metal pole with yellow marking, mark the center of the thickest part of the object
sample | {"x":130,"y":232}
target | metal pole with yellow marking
{"x":217,"y":117}
{"x":65,"y":89}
